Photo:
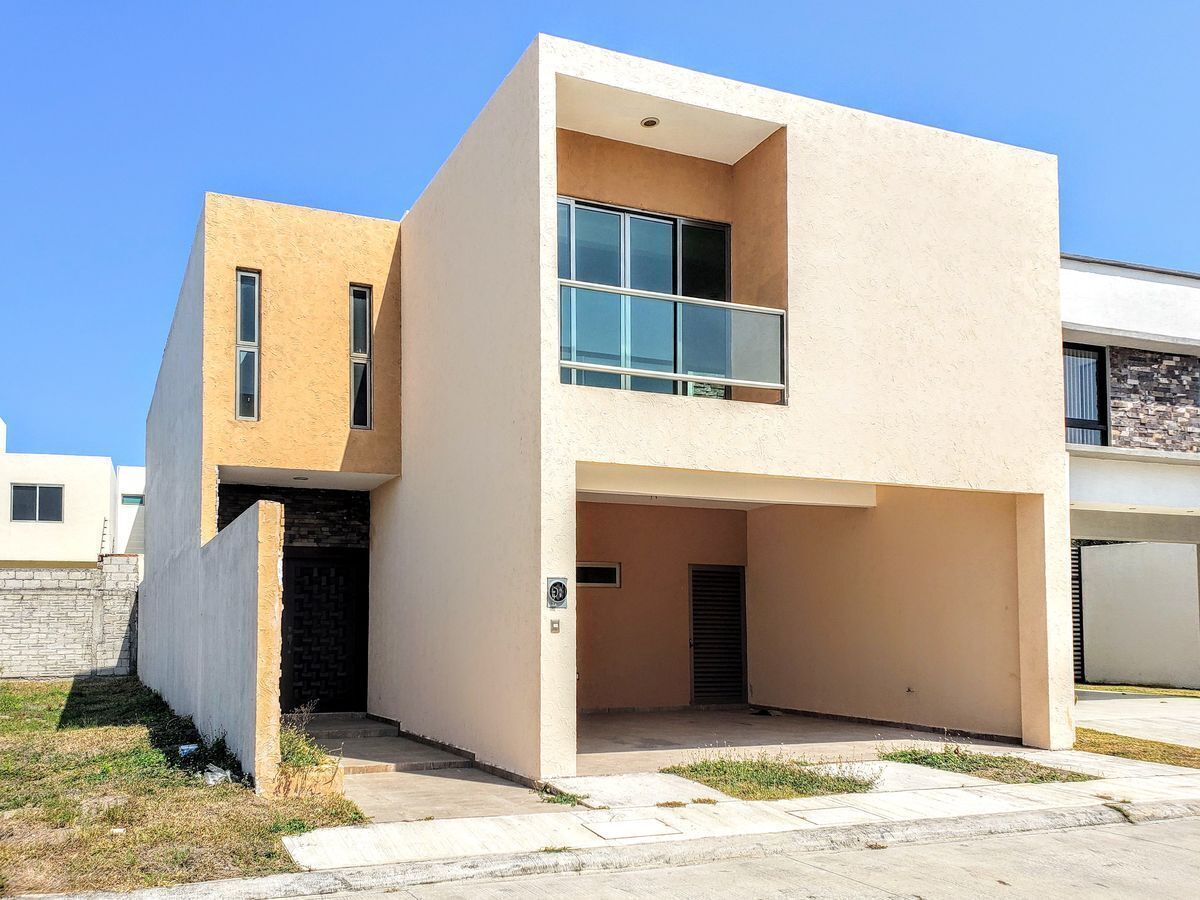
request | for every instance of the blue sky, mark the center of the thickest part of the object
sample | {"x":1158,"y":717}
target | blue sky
{"x":116,"y":117}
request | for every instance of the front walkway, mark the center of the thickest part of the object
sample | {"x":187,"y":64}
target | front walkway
{"x":1120,"y":782}
{"x":1175,"y":720}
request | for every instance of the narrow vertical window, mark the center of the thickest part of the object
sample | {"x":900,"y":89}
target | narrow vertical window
{"x":360,"y":356}
{"x":248,"y":326}
{"x":1086,"y":389}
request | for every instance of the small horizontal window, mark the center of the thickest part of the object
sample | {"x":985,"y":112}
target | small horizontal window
{"x":133,"y":500}
{"x":598,"y":575}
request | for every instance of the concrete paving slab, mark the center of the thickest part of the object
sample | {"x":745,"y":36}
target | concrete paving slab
{"x":1173,"y":720}
{"x":837,"y":815}
{"x":898,"y":776}
{"x":631,"y":828}
{"x":1096,"y":764}
{"x":640,"y":789}
{"x":441,"y":794}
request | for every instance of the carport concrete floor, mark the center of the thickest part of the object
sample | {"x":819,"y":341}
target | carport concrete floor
{"x":1174,"y":720}
{"x":625,"y":742}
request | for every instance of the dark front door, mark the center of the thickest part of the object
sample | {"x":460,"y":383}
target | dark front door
{"x":324,"y":658}
{"x":718,"y":634}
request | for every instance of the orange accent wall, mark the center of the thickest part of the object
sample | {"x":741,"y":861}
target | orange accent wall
{"x":632,"y":641}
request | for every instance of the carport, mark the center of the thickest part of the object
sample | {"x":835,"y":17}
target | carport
{"x":827,"y":626}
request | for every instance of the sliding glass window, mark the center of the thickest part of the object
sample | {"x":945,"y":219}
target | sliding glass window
{"x":360,"y":356}
{"x":247,"y":360}
{"x":661,"y":255}
{"x":1086,"y":394}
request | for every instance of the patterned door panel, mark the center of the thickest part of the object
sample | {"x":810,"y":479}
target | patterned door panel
{"x":324,"y":630}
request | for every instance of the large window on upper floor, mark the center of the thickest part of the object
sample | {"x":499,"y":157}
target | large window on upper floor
{"x":1086,"y":394}
{"x":247,"y":363}
{"x":645,"y":297}
{"x":37,"y":503}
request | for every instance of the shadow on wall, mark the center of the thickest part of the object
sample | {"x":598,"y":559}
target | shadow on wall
{"x":366,"y":448}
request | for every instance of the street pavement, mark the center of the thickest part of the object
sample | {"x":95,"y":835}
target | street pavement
{"x":1159,"y":859}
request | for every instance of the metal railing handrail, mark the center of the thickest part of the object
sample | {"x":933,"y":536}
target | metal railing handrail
{"x":673,"y":298}
{"x":670,"y":376}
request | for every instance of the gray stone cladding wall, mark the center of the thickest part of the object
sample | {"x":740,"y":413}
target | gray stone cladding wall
{"x":1153,"y":400}
{"x":312,"y":517}
{"x":60,"y":623}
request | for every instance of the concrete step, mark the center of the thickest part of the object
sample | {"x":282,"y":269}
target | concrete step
{"x":331,"y":726}
{"x":372,"y":755}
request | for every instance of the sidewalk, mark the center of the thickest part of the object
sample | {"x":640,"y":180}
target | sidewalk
{"x":904,"y":794}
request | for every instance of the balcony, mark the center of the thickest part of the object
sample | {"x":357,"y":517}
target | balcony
{"x":663,"y":343}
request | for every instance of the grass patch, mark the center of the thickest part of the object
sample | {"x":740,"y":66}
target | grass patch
{"x":767,"y":777}
{"x":1140,"y":689}
{"x":94,"y":795}
{"x":562,"y":797}
{"x":1005,"y":769}
{"x":1136,"y":748}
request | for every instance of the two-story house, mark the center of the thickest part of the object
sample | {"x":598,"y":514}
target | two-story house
{"x":669,"y":391}
{"x":1132,"y":377}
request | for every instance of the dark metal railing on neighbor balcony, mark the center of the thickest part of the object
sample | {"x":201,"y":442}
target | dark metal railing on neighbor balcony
{"x":663,"y":343}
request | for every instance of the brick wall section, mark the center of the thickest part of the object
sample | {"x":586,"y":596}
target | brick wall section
{"x":1153,"y":400}
{"x":59,"y":623}
{"x":311,"y":517}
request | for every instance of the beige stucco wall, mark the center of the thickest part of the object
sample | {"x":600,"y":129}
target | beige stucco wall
{"x":237,"y":633}
{"x":1141,"y":614}
{"x":633,"y":640}
{"x":905,"y":612}
{"x":924,"y":341}
{"x":208,"y":613}
{"x":89,"y":517}
{"x":308,"y":259}
{"x":168,"y":657}
{"x":456,"y":575}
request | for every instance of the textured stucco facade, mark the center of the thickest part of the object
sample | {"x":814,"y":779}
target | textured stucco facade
{"x":307,"y":259}
{"x":632,"y":644}
{"x":888,"y":245}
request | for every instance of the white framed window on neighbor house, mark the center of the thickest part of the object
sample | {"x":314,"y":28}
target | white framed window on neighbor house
{"x":598,"y":574}
{"x":37,"y":503}
{"x":360,"y":356}
{"x":247,"y":360}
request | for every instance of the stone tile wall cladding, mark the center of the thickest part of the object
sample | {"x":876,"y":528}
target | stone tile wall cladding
{"x":60,"y":623}
{"x":311,"y":517}
{"x":1153,"y":402}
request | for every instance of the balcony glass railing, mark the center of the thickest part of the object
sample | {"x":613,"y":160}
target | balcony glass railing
{"x":646,"y":341}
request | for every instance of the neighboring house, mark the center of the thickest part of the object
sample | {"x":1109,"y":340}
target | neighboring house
{"x":705,"y":394}
{"x":1132,"y":374}
{"x":70,"y":539}
{"x":62,"y":510}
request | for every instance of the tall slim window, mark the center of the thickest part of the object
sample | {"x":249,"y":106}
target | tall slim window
{"x":1086,"y":394}
{"x":37,"y":503}
{"x":360,"y":356}
{"x":248,"y":327}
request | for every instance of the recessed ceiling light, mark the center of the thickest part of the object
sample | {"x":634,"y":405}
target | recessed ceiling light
{"x":299,"y":478}
{"x":649,"y":121}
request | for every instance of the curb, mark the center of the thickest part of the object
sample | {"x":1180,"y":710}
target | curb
{"x":661,"y":854}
